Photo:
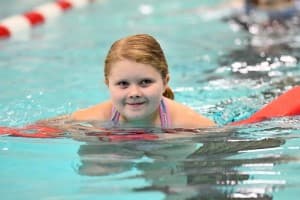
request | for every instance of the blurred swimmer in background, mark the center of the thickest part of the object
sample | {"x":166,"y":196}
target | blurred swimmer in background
{"x":266,"y":43}
{"x":273,"y":27}
{"x":274,"y":19}
{"x":256,"y":16}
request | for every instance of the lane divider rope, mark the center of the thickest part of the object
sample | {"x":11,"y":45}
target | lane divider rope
{"x":38,"y":15}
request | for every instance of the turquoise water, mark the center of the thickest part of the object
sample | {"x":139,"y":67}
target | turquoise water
{"x":57,"y":68}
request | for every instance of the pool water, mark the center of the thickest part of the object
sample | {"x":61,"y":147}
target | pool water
{"x":56,"y":68}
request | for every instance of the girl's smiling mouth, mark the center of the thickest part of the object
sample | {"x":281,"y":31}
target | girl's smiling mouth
{"x":135,"y":104}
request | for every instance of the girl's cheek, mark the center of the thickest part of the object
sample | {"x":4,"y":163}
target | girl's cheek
{"x":117,"y":94}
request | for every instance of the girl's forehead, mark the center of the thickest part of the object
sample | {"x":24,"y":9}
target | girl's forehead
{"x":127,"y":66}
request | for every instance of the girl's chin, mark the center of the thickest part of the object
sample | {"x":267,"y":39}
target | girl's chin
{"x":135,"y":118}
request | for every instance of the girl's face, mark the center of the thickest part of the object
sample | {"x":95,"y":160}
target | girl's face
{"x":136,"y":91}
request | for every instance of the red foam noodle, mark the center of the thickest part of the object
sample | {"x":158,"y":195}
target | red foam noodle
{"x":287,"y":104}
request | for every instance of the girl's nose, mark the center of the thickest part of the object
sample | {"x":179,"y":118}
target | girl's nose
{"x":135,"y":92}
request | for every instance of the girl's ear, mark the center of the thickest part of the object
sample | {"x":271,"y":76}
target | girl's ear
{"x":167,"y":79}
{"x":106,"y":82}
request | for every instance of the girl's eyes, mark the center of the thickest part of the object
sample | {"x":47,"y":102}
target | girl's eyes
{"x":123,"y":84}
{"x":142,"y":83}
{"x":146,"y":82}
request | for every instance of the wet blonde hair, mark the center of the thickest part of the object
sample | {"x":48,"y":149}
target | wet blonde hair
{"x":141,"y":48}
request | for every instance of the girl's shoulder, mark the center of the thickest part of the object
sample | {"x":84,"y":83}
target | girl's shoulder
{"x":99,"y":112}
{"x":185,"y":117}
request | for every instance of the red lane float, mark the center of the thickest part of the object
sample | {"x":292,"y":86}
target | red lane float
{"x":287,"y":104}
{"x":14,"y":24}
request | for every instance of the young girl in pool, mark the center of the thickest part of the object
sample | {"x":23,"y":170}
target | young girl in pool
{"x":136,"y":74}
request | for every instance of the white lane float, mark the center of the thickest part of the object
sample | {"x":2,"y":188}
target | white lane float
{"x":12,"y":25}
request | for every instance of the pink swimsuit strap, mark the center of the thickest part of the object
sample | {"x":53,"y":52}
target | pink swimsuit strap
{"x":163,"y":114}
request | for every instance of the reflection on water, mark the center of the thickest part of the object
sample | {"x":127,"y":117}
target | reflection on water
{"x":214,"y":164}
{"x":251,"y":62}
